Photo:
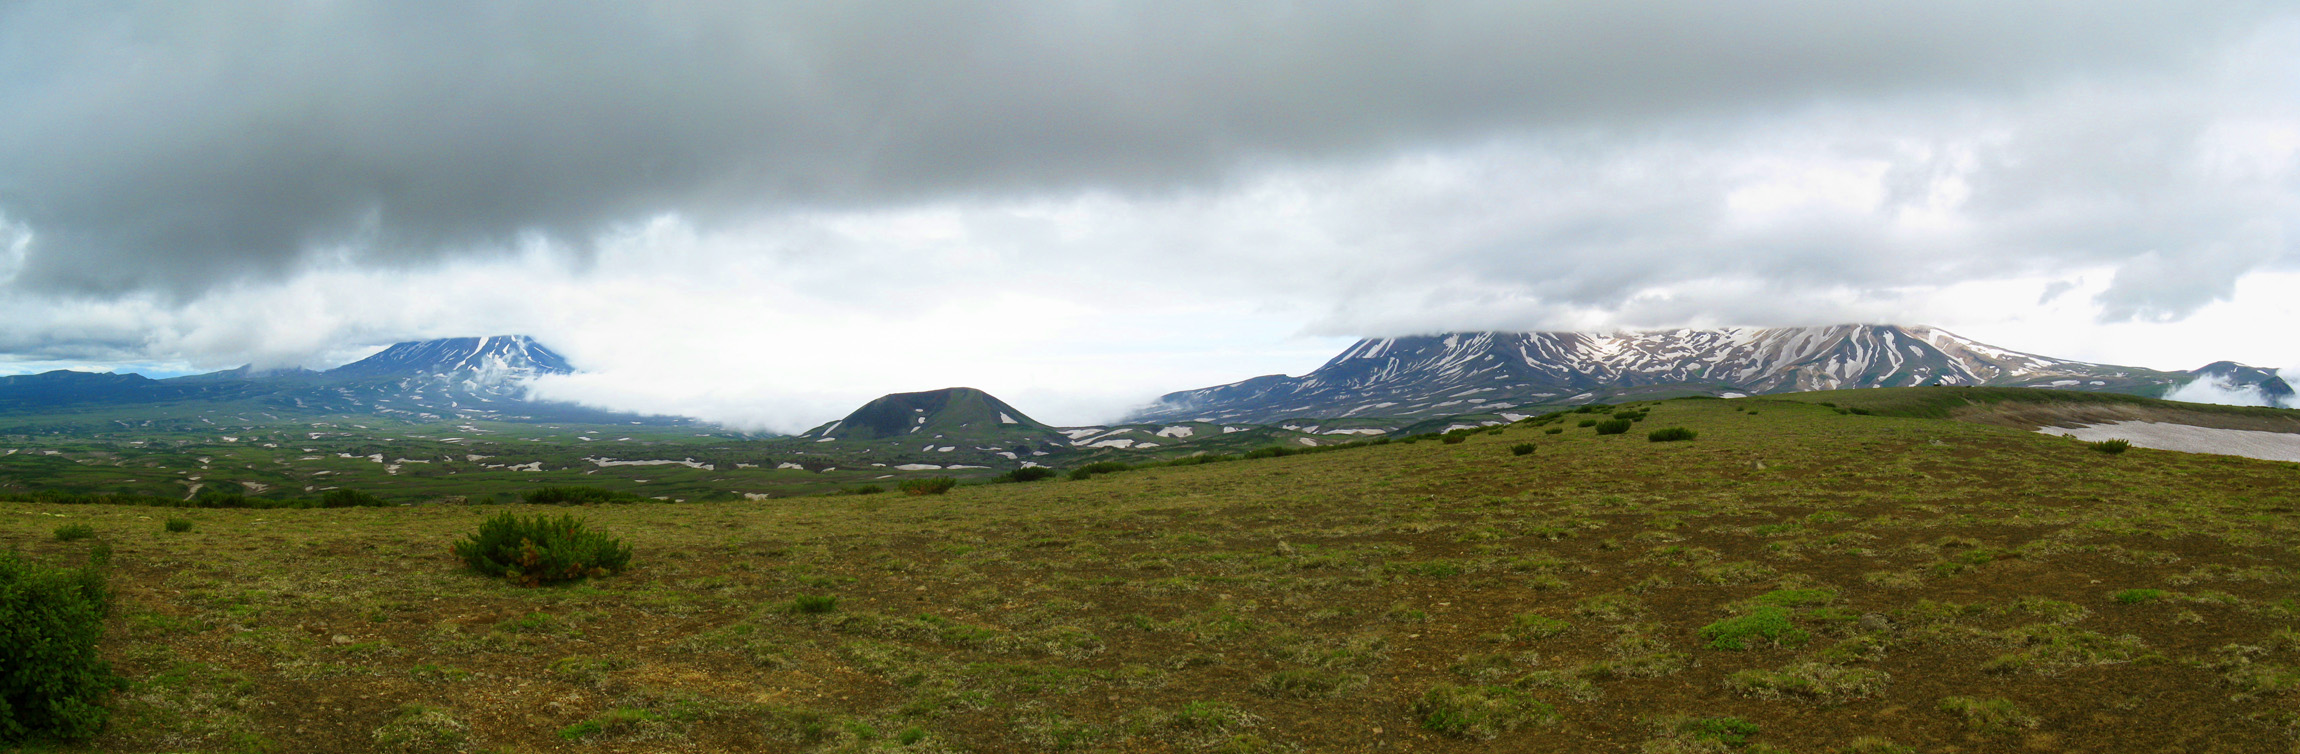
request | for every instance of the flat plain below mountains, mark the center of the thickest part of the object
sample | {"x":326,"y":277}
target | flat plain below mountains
{"x":1798,"y":577}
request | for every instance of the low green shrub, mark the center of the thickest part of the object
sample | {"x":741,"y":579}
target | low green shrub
{"x":933,"y":485}
{"x":179,"y":525}
{"x":1481,"y":712}
{"x":2112,"y":447}
{"x":1613,"y":426}
{"x":1554,"y":431}
{"x":1587,"y":423}
{"x":576,"y":496}
{"x":52,"y":684}
{"x":1521,"y":449}
{"x":814,"y":604}
{"x":2137,"y":596}
{"x":541,"y":550}
{"x":1027,"y":474}
{"x":1104,"y":467}
{"x":1768,"y":623}
{"x":347,"y":498}
{"x":1453,"y":439}
{"x":1535,"y":626}
{"x":868,"y":489}
{"x":1310,"y":683}
{"x":70,"y":532}
{"x":1672,"y":434}
{"x":1993,"y":716}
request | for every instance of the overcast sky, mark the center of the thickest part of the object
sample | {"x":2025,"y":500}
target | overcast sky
{"x":766,"y":214}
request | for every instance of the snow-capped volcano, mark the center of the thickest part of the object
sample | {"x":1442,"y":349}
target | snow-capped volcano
{"x":1455,"y":373}
{"x":494,"y":359}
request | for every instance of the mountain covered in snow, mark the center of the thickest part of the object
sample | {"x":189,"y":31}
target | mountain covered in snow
{"x":496,"y":358}
{"x":1484,"y":372}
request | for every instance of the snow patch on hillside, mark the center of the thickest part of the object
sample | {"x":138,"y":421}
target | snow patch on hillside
{"x":2272,"y":446}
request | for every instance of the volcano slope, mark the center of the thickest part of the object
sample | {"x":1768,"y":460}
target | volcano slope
{"x":1794,"y":578}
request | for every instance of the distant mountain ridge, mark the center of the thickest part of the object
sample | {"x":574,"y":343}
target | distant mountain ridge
{"x":1468,"y":372}
{"x":467,"y":378}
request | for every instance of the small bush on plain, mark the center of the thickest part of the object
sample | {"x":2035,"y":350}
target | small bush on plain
{"x":70,"y":532}
{"x":1995,"y":716}
{"x":2137,"y":596}
{"x":2112,"y":447}
{"x":52,"y":684}
{"x":576,"y":496}
{"x":1481,"y":712}
{"x":814,"y":604}
{"x":1613,"y":426}
{"x":933,"y":485}
{"x":1672,"y":434}
{"x":541,"y":550}
{"x":179,"y":525}
{"x":1453,"y":439}
{"x":347,"y":498}
{"x":1768,"y":623}
{"x":1028,"y":474}
{"x":1521,"y":449}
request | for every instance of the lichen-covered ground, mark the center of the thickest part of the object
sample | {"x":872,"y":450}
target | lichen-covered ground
{"x":1796,"y":579}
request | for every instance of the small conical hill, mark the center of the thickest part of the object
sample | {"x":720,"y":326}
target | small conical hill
{"x":953,"y":413}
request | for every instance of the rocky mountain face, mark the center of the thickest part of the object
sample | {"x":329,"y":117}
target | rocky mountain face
{"x":1458,"y":373}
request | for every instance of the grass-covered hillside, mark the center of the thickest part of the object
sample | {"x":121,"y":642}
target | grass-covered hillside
{"x":1796,"y":577}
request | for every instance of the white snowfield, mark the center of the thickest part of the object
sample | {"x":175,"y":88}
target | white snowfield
{"x":2273,"y":446}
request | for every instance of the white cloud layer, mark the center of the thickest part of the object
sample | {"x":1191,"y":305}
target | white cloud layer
{"x":767,"y":214}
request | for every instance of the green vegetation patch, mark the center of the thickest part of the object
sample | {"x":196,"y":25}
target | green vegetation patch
{"x":1768,"y":624}
{"x":52,"y":685}
{"x":540,"y":550}
{"x":1481,"y":712}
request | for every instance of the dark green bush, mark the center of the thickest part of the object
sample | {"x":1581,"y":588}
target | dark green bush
{"x":1587,"y":423}
{"x":575,"y":496}
{"x":1613,"y":426}
{"x":1672,"y":434}
{"x":347,"y":498}
{"x":2112,"y":447}
{"x":1273,"y":451}
{"x":541,"y":550}
{"x":69,"y":532}
{"x":868,"y":489}
{"x":1770,"y":624}
{"x":1858,"y":411}
{"x":51,"y":682}
{"x":179,"y":525}
{"x":1554,"y":431}
{"x":1481,"y":712}
{"x":1454,"y":439}
{"x":1027,"y":474}
{"x":933,"y":485}
{"x":1521,"y":449}
{"x":814,"y":604}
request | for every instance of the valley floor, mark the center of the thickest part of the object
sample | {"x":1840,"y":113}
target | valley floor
{"x":1795,"y":578}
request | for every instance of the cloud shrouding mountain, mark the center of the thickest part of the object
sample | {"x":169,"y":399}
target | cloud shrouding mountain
{"x":218,"y":182}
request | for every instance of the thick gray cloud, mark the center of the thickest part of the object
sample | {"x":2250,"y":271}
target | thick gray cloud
{"x":173,"y":147}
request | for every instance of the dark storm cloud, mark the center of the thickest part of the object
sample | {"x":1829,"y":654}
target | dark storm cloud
{"x":174,"y":146}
